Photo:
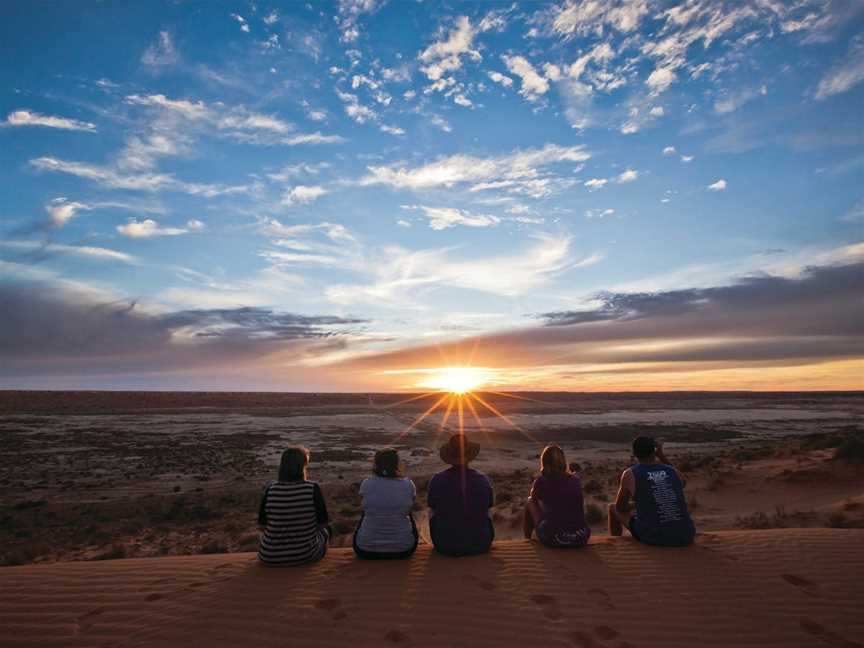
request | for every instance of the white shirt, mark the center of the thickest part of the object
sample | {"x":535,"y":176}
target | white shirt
{"x":387,"y":503}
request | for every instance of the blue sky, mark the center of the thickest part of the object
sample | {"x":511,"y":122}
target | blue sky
{"x":349,"y":195}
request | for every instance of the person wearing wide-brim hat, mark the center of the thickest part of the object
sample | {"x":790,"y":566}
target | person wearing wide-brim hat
{"x":459,"y":500}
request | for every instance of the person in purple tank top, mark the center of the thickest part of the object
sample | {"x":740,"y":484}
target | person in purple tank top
{"x":555,"y":507}
{"x":659,"y":514}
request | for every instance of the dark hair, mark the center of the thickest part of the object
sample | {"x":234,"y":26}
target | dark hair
{"x":292,"y":467}
{"x":553,"y":463}
{"x":643,"y":447}
{"x":386,"y":463}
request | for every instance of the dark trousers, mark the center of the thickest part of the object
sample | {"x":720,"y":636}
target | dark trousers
{"x":461,"y":547}
{"x":385,"y":555}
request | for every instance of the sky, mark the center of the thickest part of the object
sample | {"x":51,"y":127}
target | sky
{"x":351,"y":195}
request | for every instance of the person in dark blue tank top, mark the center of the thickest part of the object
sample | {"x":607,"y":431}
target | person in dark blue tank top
{"x":659,"y":515}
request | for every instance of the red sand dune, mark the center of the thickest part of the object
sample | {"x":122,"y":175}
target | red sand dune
{"x":785,"y":587}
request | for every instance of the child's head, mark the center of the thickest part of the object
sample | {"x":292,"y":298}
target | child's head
{"x":386,"y":463}
{"x":292,"y":467}
{"x":552,"y":462}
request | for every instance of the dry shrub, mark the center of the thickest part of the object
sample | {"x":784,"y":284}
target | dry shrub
{"x":594,"y":514}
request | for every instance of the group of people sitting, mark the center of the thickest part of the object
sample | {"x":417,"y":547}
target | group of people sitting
{"x":296,"y":528}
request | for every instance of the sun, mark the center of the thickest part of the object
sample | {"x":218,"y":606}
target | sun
{"x":457,"y":380}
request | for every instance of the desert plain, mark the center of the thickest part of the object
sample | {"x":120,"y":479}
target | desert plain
{"x":129,"y":518}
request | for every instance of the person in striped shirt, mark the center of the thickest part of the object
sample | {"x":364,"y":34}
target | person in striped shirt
{"x":293,"y":515}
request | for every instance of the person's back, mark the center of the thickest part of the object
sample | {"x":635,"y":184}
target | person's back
{"x":460,"y":498}
{"x":293,"y":515}
{"x":661,"y":517}
{"x":386,"y":528}
{"x":563,"y":509}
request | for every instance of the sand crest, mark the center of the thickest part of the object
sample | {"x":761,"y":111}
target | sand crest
{"x":784,"y":587}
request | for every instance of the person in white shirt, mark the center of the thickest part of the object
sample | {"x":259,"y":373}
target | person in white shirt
{"x":386,"y":529}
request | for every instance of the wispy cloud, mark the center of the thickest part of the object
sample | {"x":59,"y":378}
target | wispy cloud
{"x":162,"y":52}
{"x":30,"y":118}
{"x":533,"y":84}
{"x":149,"y":228}
{"x":845,"y":75}
{"x":518,"y":172}
{"x":303,"y":195}
{"x":444,"y":217}
{"x":719,"y":185}
{"x":62,"y":210}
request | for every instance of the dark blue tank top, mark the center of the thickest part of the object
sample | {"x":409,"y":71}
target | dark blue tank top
{"x":661,"y":509}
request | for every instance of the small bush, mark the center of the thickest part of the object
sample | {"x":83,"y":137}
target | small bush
{"x":213,"y":547}
{"x":593,"y":487}
{"x":342,"y":528}
{"x":852,"y":448}
{"x":594,"y":514}
{"x":115,"y":552}
{"x":838,"y":520}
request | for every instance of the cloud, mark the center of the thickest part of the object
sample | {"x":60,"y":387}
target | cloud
{"x":592,"y":17}
{"x":392,"y":130}
{"x":148,"y":228}
{"x":350,"y":12}
{"x":846,"y":74}
{"x":734,"y":100}
{"x":235,"y":122}
{"x":596,"y":183}
{"x":628,"y":175}
{"x":669,"y":150}
{"x":36,"y":251}
{"x":760,"y":321}
{"x":162,"y":52}
{"x":30,"y":118}
{"x":355,"y":110}
{"x":687,"y":158}
{"x":503,"y":79}
{"x":69,"y":329}
{"x":400,"y":273}
{"x":116,"y":179}
{"x":244,"y":26}
{"x":444,"y":217}
{"x":599,"y":213}
{"x":518,"y":172}
{"x":720,"y":185}
{"x":444,"y":56}
{"x":533,"y":85}
{"x":303,"y":195}
{"x":62,"y":210}
{"x":660,"y":79}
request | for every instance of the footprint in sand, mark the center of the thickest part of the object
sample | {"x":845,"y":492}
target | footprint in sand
{"x":84,"y":622}
{"x":549,"y":605}
{"x":486,"y":585}
{"x":396,"y":636}
{"x":583,"y":639}
{"x":827,"y":636}
{"x":605,"y":632}
{"x":602,"y":598}
{"x":808,"y":587}
{"x":333,"y":606}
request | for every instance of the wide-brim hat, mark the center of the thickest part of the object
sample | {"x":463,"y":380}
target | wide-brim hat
{"x":458,"y":451}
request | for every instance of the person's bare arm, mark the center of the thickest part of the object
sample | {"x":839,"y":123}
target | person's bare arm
{"x":625,"y":491}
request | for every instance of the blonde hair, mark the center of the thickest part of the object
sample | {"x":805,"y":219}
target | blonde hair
{"x":553,"y":463}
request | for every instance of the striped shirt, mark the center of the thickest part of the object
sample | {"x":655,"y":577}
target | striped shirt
{"x":291,"y":514}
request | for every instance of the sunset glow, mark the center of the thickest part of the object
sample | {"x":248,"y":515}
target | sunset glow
{"x":457,"y":380}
